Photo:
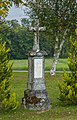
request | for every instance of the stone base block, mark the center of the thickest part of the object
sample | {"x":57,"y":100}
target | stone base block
{"x":35,"y":100}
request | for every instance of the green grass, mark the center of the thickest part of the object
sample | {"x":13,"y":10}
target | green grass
{"x":20,"y":64}
{"x":57,"y":112}
{"x":62,"y":64}
{"x":23,"y":64}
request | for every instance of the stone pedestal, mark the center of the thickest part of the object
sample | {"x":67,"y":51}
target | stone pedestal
{"x":36,"y":97}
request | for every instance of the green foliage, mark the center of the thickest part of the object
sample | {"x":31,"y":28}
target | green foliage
{"x":7,"y":100}
{"x":17,"y":37}
{"x":68,"y":90}
{"x":20,"y":39}
{"x":56,"y":15}
{"x":5,"y":5}
{"x":59,"y":17}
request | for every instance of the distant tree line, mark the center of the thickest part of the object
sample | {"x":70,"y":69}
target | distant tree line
{"x":20,"y":39}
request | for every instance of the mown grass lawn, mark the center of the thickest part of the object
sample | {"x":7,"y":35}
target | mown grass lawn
{"x":57,"y":112}
{"x":23,"y":64}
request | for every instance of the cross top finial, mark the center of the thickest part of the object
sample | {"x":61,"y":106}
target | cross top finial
{"x":37,"y":22}
{"x":36,"y":29}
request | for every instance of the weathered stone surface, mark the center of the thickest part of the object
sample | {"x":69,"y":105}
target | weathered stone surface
{"x":36,"y":29}
{"x":36,"y":97}
{"x":39,"y":84}
{"x":36,"y":100}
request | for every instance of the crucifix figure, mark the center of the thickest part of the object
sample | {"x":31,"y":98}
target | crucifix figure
{"x":36,"y":31}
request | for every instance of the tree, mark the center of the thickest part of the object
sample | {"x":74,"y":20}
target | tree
{"x":4,"y":30}
{"x":4,"y":8}
{"x":60,"y":18}
{"x":7,"y":99}
{"x":6,"y":4}
{"x":20,"y":39}
{"x":68,"y":89}
{"x":25,"y":22}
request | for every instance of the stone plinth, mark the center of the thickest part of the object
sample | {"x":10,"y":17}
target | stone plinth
{"x":36,"y":97}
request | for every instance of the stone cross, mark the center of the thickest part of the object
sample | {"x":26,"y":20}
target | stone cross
{"x":36,"y":31}
{"x":36,"y":96}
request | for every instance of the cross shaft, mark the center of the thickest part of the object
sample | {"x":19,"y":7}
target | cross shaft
{"x":36,"y":31}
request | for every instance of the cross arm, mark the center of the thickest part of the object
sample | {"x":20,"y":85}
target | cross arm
{"x":32,"y":29}
{"x":42,"y":28}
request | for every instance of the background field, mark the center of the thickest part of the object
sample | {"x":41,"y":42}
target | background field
{"x":57,"y":112}
{"x":23,"y":64}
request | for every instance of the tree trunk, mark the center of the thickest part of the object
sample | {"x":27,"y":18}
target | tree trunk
{"x":57,"y":53}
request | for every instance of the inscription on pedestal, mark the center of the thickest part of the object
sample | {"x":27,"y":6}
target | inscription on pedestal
{"x":38,"y":68}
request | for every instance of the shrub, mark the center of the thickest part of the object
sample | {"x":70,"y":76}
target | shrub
{"x":68,"y":89}
{"x":7,"y":99}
